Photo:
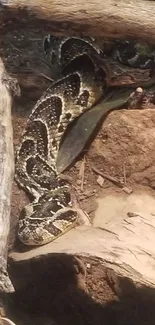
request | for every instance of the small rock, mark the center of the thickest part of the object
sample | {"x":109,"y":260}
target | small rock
{"x":132,"y":214}
{"x":81,"y":197}
{"x":127,"y":190}
{"x":88,"y":193}
{"x":78,"y":181}
{"x":100,"y":180}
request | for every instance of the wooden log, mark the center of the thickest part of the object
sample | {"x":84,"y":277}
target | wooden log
{"x":116,"y":19}
{"x":127,"y":252}
{"x":6,"y":176}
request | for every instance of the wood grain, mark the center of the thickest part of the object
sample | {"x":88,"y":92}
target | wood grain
{"x":6,"y":178}
{"x":111,"y":18}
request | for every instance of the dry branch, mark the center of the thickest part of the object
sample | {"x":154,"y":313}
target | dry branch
{"x":6,"y":177}
{"x":111,"y":18}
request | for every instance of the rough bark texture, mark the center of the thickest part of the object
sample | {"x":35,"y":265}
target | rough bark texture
{"x":117,"y":19}
{"x":6,"y":178}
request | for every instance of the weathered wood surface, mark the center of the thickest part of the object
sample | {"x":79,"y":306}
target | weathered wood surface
{"x":111,"y":18}
{"x":128,"y":251}
{"x":6,"y":177}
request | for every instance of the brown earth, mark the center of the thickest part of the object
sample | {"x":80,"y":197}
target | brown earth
{"x":124,"y":149}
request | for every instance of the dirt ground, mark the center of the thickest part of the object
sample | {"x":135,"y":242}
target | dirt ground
{"x":123,"y":149}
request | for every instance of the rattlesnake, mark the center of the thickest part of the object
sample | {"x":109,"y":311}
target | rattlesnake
{"x":84,"y":80}
{"x":84,"y":83}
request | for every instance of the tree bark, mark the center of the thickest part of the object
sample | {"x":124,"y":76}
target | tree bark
{"x":116,"y":19}
{"x":6,"y":177}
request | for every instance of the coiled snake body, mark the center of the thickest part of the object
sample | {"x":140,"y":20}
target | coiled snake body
{"x":85,"y":80}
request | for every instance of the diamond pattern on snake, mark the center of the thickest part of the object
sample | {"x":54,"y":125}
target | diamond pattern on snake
{"x":82,"y":80}
{"x":82,"y":83}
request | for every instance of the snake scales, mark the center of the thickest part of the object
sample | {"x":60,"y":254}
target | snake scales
{"x":84,"y":80}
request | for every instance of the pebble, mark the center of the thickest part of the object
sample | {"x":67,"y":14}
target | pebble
{"x":78,"y":182}
{"x":100,"y":180}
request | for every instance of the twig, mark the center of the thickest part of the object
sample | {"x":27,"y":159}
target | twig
{"x":41,"y":74}
{"x":67,"y":178}
{"x":108,"y":177}
{"x":81,"y":173}
{"x":46,"y":64}
{"x":46,"y":77}
{"x":16,"y":48}
{"x":34,"y":39}
{"x":88,"y":163}
{"x":124,"y":174}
